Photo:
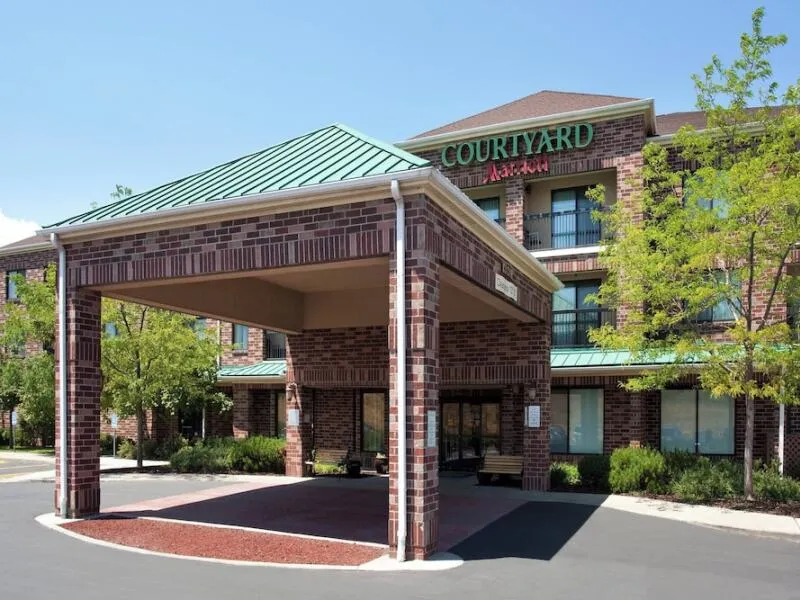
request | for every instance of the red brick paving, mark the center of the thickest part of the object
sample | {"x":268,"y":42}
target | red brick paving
{"x":224,"y":543}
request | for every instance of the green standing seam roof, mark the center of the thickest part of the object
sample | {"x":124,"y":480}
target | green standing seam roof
{"x":559,"y":358}
{"x":331,"y":154}
{"x":268,"y":368}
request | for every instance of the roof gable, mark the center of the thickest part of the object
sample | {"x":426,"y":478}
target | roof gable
{"x":540,"y":104}
{"x":331,"y":154}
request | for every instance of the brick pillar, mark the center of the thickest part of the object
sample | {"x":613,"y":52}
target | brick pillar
{"x":636,"y":432}
{"x":422,"y":396}
{"x":241,"y":411}
{"x":515,"y":208}
{"x":628,"y":186}
{"x":83,"y":404}
{"x":298,"y":437}
{"x":536,"y":440}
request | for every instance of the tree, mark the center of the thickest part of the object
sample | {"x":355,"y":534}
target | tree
{"x":715,"y":236}
{"x":155,"y":359}
{"x":28,"y":380}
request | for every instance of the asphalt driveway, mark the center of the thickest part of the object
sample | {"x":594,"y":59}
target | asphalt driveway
{"x":540,"y":550}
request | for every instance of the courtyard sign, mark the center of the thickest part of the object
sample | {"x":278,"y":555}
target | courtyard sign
{"x":525,"y":144}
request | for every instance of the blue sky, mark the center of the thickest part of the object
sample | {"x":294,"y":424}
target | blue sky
{"x":95,"y":93}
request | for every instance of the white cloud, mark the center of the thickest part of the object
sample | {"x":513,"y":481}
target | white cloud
{"x":12,"y":229}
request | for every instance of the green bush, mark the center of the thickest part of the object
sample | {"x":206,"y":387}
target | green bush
{"x":709,"y":480}
{"x":678,"y":462}
{"x":594,"y":470}
{"x":22,"y":437}
{"x":151,"y":449}
{"x":637,"y":470}
{"x":328,"y":469}
{"x":769,"y":484}
{"x":107,"y":444}
{"x":259,"y":454}
{"x":202,"y":458}
{"x":564,"y":474}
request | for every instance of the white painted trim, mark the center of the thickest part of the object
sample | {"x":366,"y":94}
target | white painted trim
{"x":566,"y":251}
{"x":612,"y":110}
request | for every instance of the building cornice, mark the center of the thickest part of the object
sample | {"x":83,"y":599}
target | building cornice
{"x":622,"y":109}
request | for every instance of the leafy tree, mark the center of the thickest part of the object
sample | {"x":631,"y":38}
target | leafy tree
{"x":711,"y":233}
{"x":154,"y":359}
{"x":28,"y":380}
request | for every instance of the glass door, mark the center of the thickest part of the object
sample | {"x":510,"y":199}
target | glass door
{"x":451,"y":418}
{"x":470,"y":431}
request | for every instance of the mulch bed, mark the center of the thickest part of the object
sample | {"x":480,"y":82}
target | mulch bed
{"x":224,"y":543}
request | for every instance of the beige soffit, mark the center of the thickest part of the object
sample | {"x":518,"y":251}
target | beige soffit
{"x":427,"y":180}
{"x":614,"y":110}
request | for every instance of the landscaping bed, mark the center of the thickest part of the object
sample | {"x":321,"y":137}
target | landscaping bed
{"x":224,"y":543}
{"x":679,"y":477}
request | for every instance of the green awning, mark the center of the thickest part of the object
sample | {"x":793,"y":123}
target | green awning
{"x":267,"y":368}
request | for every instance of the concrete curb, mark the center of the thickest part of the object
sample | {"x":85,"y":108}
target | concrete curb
{"x":439,"y":562}
{"x":695,"y":514}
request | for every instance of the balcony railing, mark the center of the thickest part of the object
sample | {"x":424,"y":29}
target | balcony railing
{"x":568,"y":229}
{"x":274,"y":345}
{"x":571,"y":327}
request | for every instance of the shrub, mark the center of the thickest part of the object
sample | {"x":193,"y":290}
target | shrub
{"x":202,"y":459}
{"x":328,"y":469}
{"x":22,"y":437}
{"x":126,"y":449}
{"x":258,"y":454}
{"x":594,"y":470}
{"x":107,"y":444}
{"x":709,"y":480}
{"x":637,"y":470}
{"x":564,"y":474}
{"x":769,"y":484}
{"x":677,"y":462}
{"x":151,"y":449}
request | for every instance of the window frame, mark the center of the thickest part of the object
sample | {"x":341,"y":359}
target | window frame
{"x":277,"y":413}
{"x":696,"y":422}
{"x":499,"y":218}
{"x":569,"y":389}
{"x":700,"y":318}
{"x":362,"y":394}
{"x":9,"y":274}
{"x":238,"y":348}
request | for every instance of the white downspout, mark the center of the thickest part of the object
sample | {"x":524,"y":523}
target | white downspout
{"x":781,"y":427}
{"x":63,"y":497}
{"x":400,"y":381}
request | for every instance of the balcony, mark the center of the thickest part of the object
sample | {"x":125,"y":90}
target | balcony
{"x":571,"y":327}
{"x":567,"y":229}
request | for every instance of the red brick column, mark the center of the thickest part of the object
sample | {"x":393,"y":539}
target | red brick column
{"x":536,"y":440}
{"x":241,"y":412}
{"x":515,"y":208}
{"x":83,"y":404}
{"x":298,"y":437}
{"x":422,"y":396}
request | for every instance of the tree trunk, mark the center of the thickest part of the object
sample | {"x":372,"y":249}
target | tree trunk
{"x":749,"y":426}
{"x":139,"y":437}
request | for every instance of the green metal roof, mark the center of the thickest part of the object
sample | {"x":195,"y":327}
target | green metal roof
{"x":268,"y":368}
{"x":327,"y":155}
{"x":559,"y":358}
{"x":597,"y":357}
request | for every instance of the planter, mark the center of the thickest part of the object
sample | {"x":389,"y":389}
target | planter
{"x":381,"y":466}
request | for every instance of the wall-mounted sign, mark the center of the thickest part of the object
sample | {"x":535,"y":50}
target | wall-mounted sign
{"x":505,"y":287}
{"x":525,"y":144}
{"x":293,"y":417}
{"x":431,"y":432}
{"x":515,"y":167}
{"x":533,"y":416}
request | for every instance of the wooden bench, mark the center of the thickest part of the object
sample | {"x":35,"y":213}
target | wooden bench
{"x":338,"y":457}
{"x":497,"y":464}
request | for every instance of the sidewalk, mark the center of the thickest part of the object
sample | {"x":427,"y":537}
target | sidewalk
{"x":107,"y":463}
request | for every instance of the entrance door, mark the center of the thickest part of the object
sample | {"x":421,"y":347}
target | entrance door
{"x":470,"y":430}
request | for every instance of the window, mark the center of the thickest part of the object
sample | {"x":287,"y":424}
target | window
{"x":573,"y":315}
{"x":199,"y":326}
{"x":576,"y":421}
{"x":693,"y":421}
{"x":491,"y":206}
{"x":572,"y":223}
{"x":280,"y":414}
{"x":12,"y":285}
{"x":110,"y":329}
{"x":373,"y":428}
{"x":722,"y":310}
{"x":274,"y":345}
{"x":240,"y":334}
{"x":716,"y":203}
